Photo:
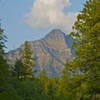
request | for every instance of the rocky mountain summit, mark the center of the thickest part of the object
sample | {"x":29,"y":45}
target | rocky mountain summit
{"x":50,"y":53}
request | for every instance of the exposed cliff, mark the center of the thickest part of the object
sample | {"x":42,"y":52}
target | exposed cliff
{"x":51,"y":53}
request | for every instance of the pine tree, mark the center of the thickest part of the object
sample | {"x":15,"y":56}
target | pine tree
{"x":27,"y":60}
{"x":87,"y":43}
{"x":18,"y":69}
{"x":44,"y":82}
{"x":3,"y":64}
{"x":7,"y":92}
{"x":64,"y":91}
{"x":2,"y":41}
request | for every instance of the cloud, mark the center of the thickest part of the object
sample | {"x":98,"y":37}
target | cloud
{"x":50,"y":14}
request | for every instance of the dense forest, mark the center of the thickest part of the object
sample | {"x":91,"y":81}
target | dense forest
{"x":80,"y":79}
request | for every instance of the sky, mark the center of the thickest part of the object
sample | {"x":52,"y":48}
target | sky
{"x":33,"y":19}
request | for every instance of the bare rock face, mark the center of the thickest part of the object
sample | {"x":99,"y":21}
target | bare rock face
{"x":51,"y":53}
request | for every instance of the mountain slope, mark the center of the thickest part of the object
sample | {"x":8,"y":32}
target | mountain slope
{"x":51,"y":53}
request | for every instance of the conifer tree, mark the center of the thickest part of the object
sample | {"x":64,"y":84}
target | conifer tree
{"x":87,"y":43}
{"x":2,"y":41}
{"x":3,"y":64}
{"x":64,"y":90}
{"x":7,"y":92}
{"x":44,"y":82}
{"x":27,"y":60}
{"x":18,"y":69}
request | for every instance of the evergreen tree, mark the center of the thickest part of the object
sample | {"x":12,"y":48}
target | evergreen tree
{"x":53,"y":87}
{"x":44,"y":82}
{"x":2,"y":41}
{"x":64,"y":89}
{"x":7,"y":92}
{"x":87,"y":43}
{"x":27,"y":60}
{"x":3,"y":64}
{"x":18,"y":69}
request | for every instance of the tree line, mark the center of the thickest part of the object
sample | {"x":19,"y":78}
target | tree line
{"x":80,"y":79}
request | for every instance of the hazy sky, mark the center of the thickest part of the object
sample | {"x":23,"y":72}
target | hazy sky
{"x":32,"y":19}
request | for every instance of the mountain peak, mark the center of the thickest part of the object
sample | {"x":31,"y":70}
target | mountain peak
{"x":50,"y":52}
{"x":55,"y":34}
{"x":56,"y":30}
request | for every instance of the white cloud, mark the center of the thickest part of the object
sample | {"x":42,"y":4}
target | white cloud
{"x":50,"y":14}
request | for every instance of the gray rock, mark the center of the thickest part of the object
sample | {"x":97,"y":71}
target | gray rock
{"x":51,"y":53}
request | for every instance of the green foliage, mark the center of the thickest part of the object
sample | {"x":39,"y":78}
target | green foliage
{"x":27,"y":54}
{"x":3,"y":72}
{"x":44,"y":82}
{"x":87,"y":43}
{"x":2,"y":40}
{"x":18,"y":69}
{"x":3,"y":64}
{"x":80,"y":80}
{"x":7,"y":92}
{"x":10,"y":95}
{"x":27,"y":60}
